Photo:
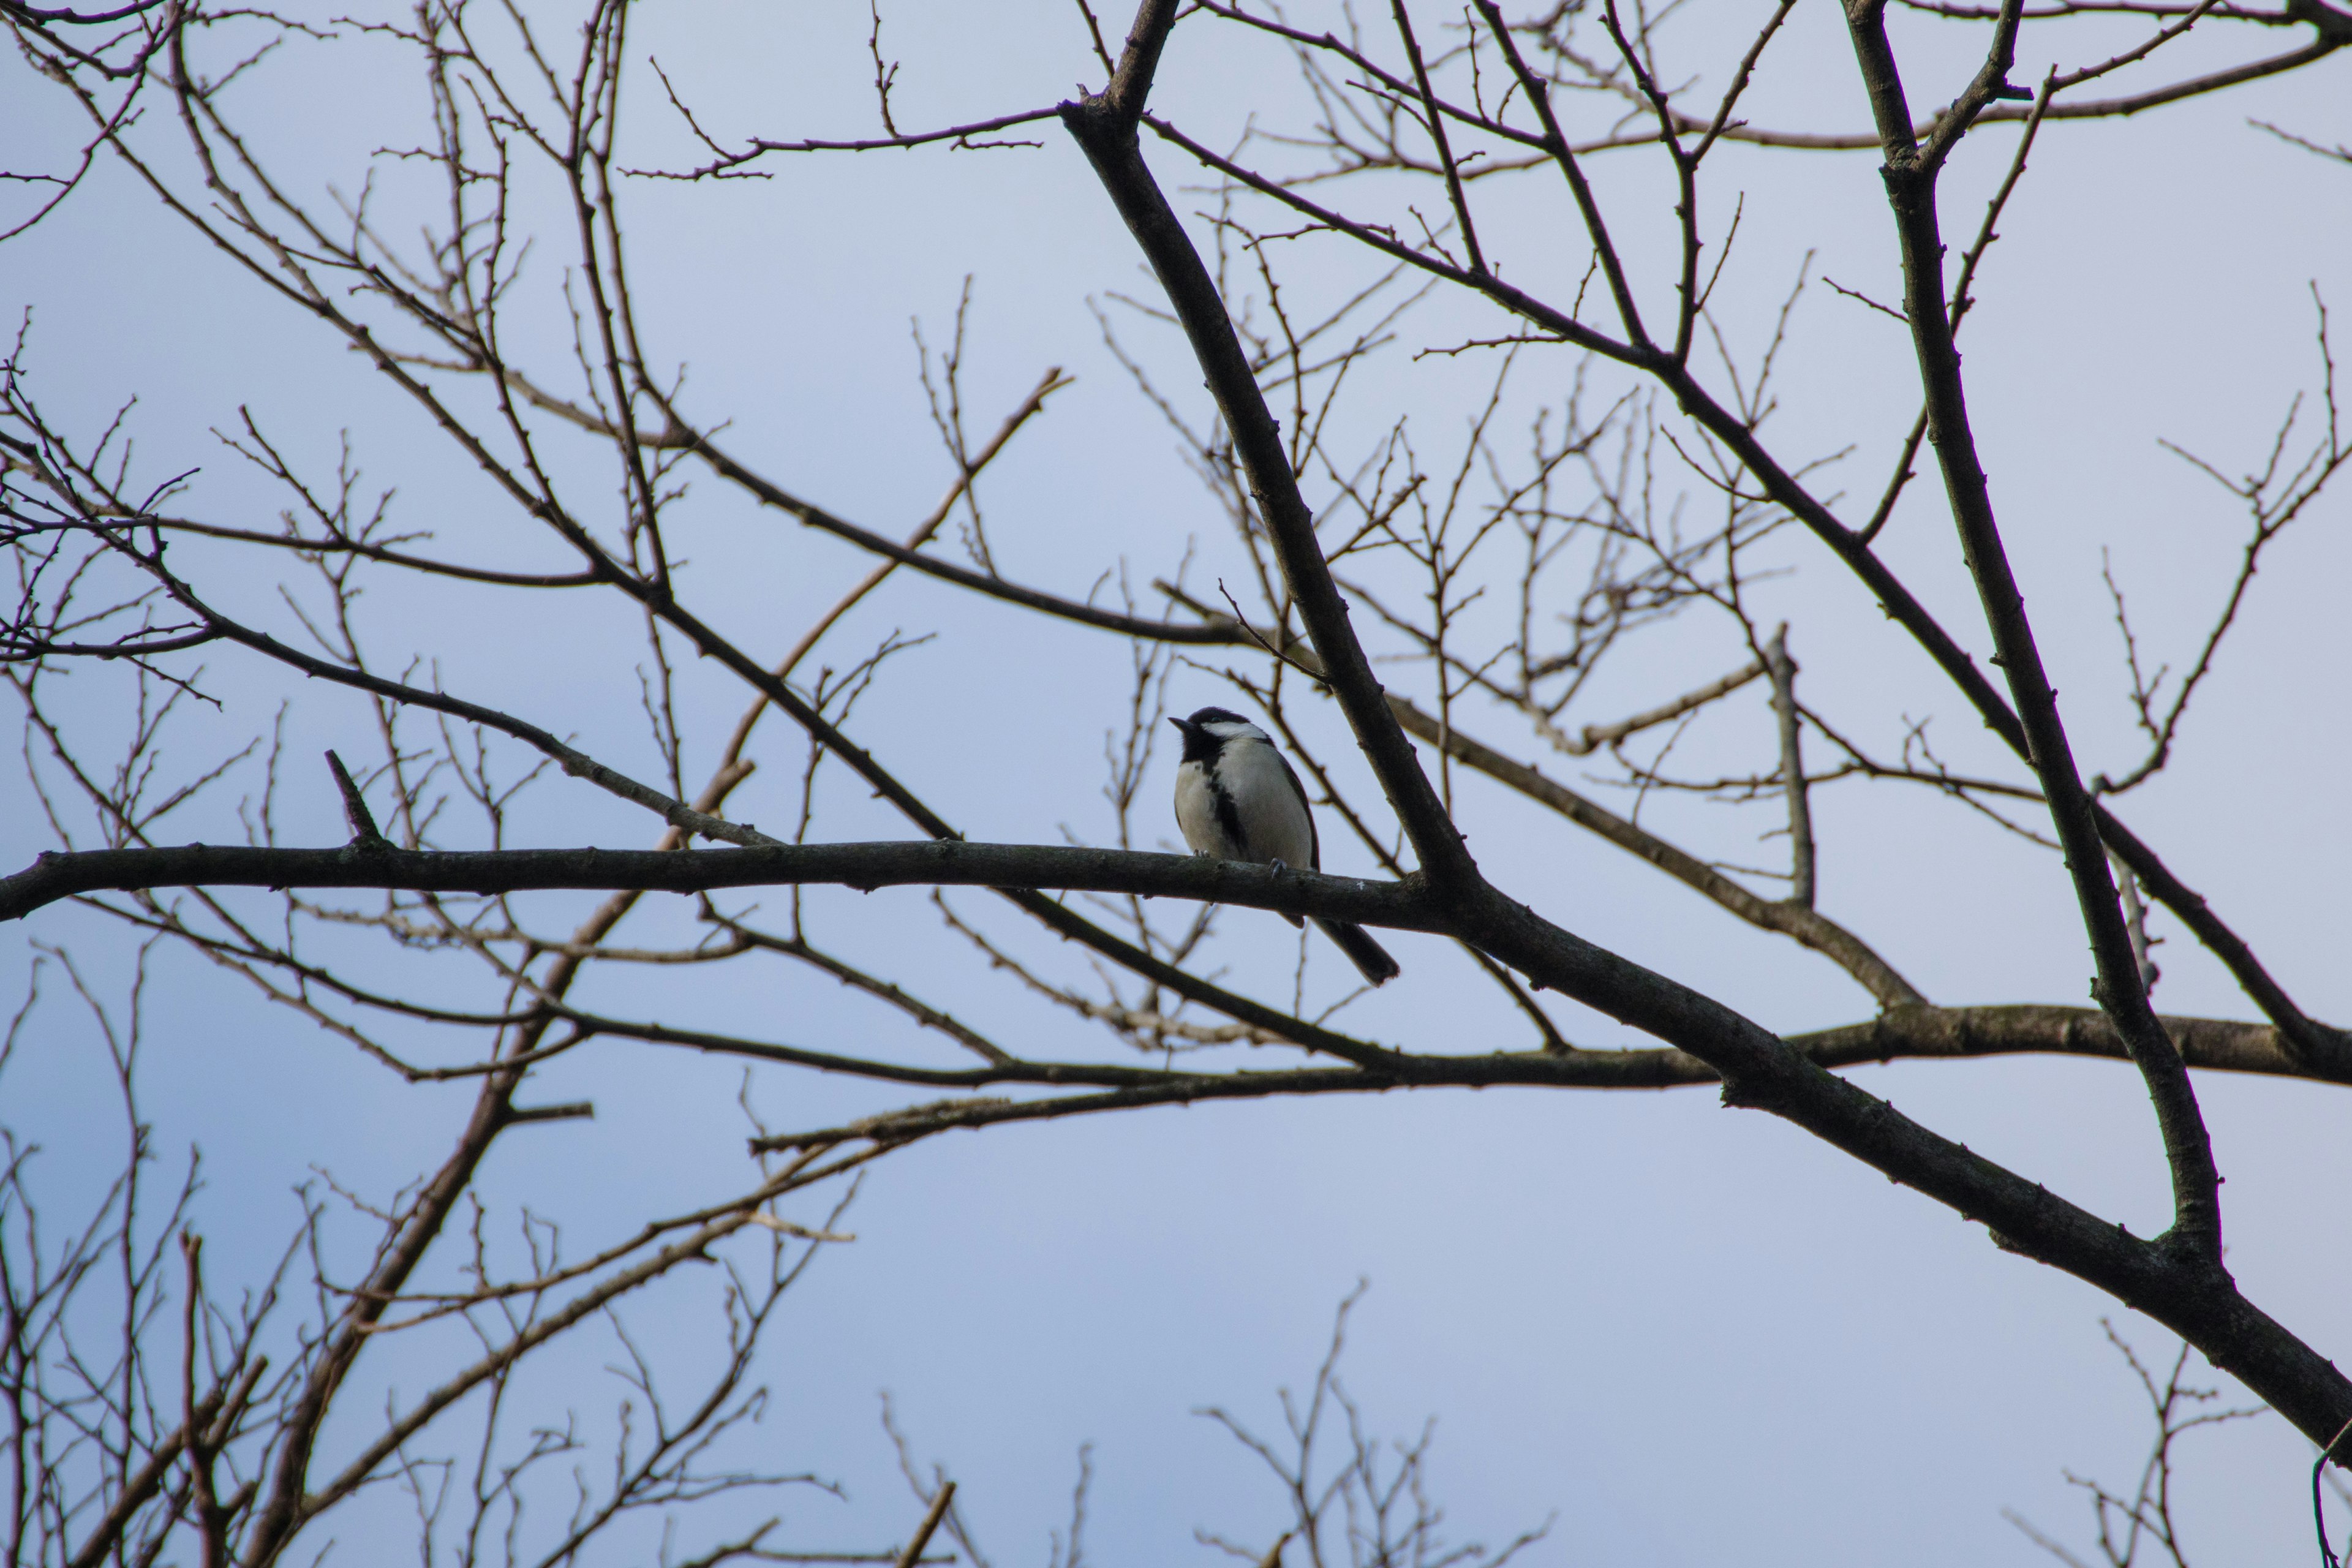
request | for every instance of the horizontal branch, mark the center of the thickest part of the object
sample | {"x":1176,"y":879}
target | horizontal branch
{"x":1902,"y":1031}
{"x":2332,"y":26}
{"x":1913,"y":1034}
{"x":944,"y":862}
{"x":912,"y":140}
{"x":955,"y":136}
{"x":2095,"y":109}
{"x":1919,"y":1033}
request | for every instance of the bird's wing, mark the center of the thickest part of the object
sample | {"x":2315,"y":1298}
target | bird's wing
{"x":1313,"y":843}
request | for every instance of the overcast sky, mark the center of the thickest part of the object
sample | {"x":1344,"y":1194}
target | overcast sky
{"x":1690,"y":1334}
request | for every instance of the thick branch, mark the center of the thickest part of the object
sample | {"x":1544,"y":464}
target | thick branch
{"x":2186,"y":1287}
{"x":1756,"y":1068}
{"x":1910,"y":174}
{"x":942,"y":862}
{"x":1105,"y":127}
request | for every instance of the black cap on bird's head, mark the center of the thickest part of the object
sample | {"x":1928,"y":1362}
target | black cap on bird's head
{"x":1202,"y":742}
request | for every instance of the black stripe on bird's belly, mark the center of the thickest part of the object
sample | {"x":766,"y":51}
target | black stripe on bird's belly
{"x":1229,"y":818}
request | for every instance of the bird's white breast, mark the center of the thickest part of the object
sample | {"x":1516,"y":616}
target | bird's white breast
{"x":1196,"y":816}
{"x":1273,"y":812}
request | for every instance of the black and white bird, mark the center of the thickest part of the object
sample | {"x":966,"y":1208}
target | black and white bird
{"x":1238,"y":799}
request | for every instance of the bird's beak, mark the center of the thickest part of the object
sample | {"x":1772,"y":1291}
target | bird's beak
{"x":1184,"y":725}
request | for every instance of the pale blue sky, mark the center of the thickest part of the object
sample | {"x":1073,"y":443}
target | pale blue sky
{"x":1693,"y":1334}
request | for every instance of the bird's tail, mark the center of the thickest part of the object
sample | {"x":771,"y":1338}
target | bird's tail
{"x":1370,"y":959}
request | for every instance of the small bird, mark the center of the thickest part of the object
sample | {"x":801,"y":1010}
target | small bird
{"x":1238,"y":799}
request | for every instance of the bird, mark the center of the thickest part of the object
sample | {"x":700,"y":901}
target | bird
{"x":1238,"y":799}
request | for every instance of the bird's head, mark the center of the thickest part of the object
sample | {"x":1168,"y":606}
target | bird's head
{"x":1207,"y":731}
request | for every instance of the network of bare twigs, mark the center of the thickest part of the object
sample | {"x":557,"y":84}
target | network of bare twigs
{"x":1512,"y":569}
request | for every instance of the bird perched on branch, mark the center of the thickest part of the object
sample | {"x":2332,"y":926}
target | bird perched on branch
{"x":1238,"y":799}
